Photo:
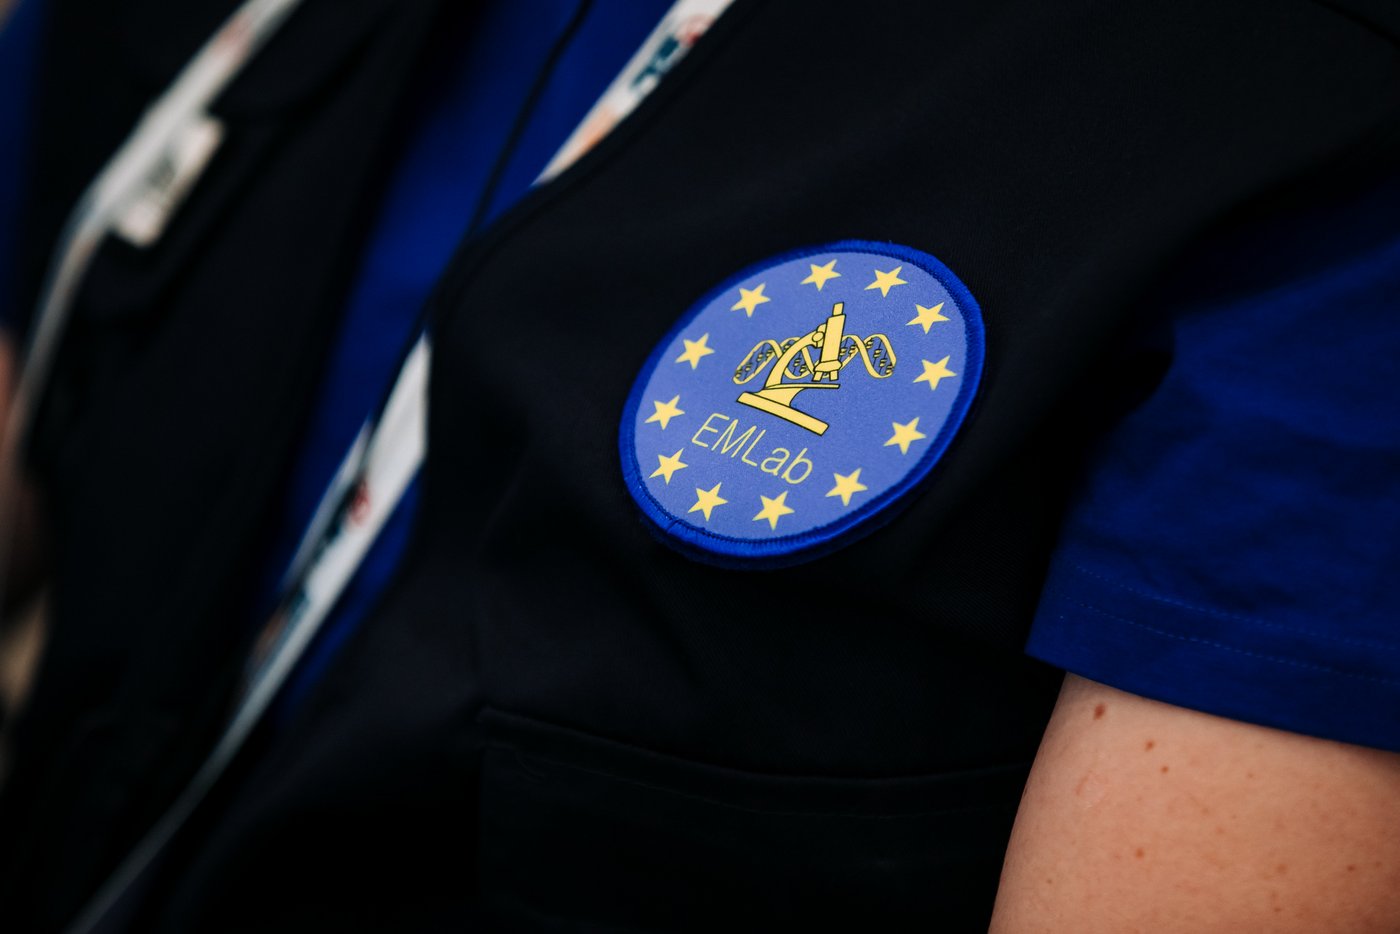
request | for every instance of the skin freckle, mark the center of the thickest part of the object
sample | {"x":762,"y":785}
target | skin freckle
{"x":1165,"y":769}
{"x":1099,"y":710}
{"x":1281,"y":869}
{"x":1351,"y":867}
{"x":1140,"y":853}
{"x":1149,"y":745}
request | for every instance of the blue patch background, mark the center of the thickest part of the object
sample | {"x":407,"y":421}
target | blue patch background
{"x":861,"y":413}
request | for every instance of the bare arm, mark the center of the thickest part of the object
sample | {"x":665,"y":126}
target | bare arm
{"x":1142,"y":816}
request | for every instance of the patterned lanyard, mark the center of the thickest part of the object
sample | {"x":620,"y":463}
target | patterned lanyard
{"x":390,"y":447}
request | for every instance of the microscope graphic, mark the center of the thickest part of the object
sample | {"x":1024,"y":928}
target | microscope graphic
{"x":794,"y":371}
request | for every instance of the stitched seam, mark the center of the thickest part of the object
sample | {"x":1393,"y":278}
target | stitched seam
{"x":965,"y":809}
{"x":510,"y":721}
{"x":1224,"y":614}
{"x":1196,"y":640}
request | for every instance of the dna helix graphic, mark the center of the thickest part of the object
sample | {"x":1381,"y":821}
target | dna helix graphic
{"x":875,"y":352}
{"x":791,"y":369}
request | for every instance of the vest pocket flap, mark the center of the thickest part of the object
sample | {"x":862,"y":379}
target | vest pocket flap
{"x":582,"y":831}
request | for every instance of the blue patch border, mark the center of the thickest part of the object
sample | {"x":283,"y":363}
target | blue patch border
{"x":782,"y":550}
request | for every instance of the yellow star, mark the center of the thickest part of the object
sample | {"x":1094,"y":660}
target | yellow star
{"x":821,"y":273}
{"x":847,"y":486}
{"x":669,"y":465}
{"x":905,"y":435}
{"x":884,"y":281}
{"x":707,"y":500}
{"x":694,"y":350}
{"x":749,"y":299}
{"x":665,"y":411}
{"x":928,"y":316}
{"x":933,"y":372}
{"x":774,"y":509}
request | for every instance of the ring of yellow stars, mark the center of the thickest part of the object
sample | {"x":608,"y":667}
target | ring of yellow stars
{"x":773,"y":510}
{"x":665,"y":411}
{"x":669,"y":465}
{"x":749,"y":299}
{"x":820,"y":274}
{"x":927,"y":316}
{"x":847,"y":486}
{"x":695,"y":350}
{"x":884,"y":281}
{"x":933,"y":372}
{"x":707,"y":500}
{"x":905,"y":435}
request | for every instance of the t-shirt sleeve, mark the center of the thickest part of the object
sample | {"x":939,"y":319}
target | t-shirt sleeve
{"x":1235,"y":546}
{"x":19,"y":49}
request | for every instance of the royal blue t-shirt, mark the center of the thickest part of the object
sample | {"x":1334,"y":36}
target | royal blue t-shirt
{"x":1235,"y":547}
{"x":19,"y":47}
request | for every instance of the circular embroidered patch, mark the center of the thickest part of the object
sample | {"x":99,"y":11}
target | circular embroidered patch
{"x":794,"y":405}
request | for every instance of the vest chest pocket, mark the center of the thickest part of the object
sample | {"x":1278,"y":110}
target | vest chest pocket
{"x":578,"y":832}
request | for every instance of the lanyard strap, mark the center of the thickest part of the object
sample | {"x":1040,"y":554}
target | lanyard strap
{"x":384,"y":459}
{"x":682,"y":26}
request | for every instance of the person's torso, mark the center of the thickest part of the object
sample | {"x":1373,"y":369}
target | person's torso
{"x":602,"y":733}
